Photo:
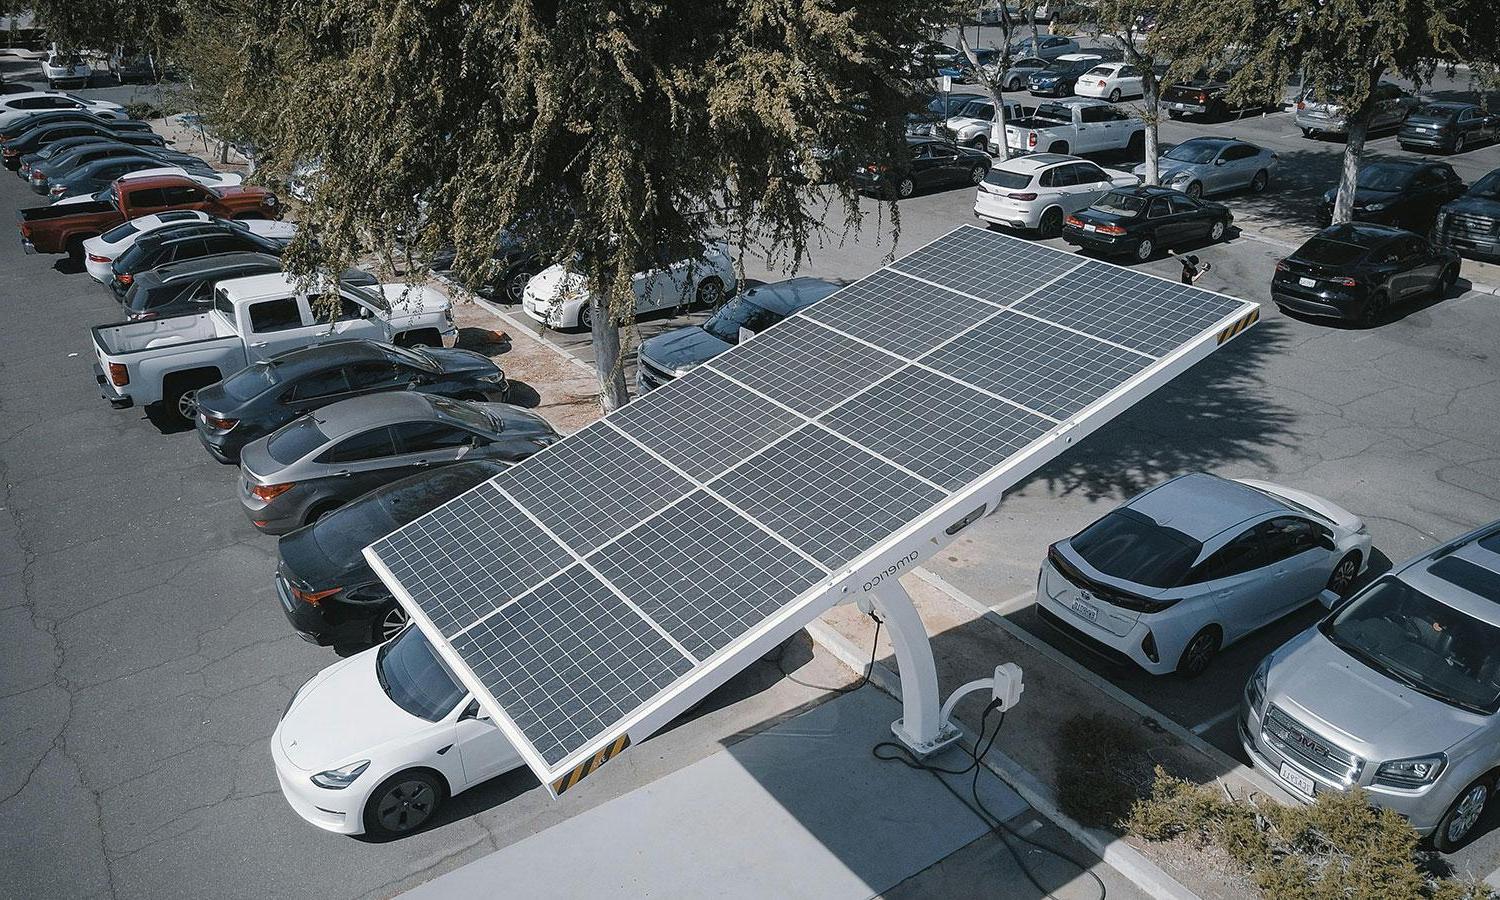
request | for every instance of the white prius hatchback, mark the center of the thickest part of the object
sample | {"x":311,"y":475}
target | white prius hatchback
{"x":560,"y":299}
{"x":1192,"y":565}
{"x":374,"y":744}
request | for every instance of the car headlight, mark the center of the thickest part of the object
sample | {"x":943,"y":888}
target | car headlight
{"x":1416,"y":772}
{"x":1376,"y":207}
{"x":1255,"y":688}
{"x":270,"y":200}
{"x":1179,"y":176}
{"x":496,"y":377}
{"x":342,"y":777}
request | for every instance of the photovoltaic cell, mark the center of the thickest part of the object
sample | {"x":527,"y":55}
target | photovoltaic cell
{"x":826,"y":496}
{"x":947,"y":433}
{"x":991,"y":266}
{"x":1049,"y":369}
{"x":903,"y":315}
{"x":705,"y":573}
{"x":592,"y":486}
{"x":568,"y":661}
{"x":704,"y":423}
{"x":806,"y":366}
{"x":1141,"y":311}
{"x":464,"y":559}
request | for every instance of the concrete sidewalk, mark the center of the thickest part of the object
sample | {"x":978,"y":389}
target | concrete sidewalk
{"x":803,"y":809}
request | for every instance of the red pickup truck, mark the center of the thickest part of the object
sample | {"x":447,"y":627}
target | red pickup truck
{"x":63,"y":227}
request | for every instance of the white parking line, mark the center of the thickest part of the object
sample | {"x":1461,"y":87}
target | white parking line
{"x":1015,"y":603}
{"x":1206,"y":724}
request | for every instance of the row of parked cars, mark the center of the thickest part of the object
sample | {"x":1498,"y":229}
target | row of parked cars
{"x":1395,"y":689}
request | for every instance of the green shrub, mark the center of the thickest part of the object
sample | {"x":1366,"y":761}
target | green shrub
{"x":1339,"y":846}
{"x":144,"y":111}
{"x":1103,"y":770}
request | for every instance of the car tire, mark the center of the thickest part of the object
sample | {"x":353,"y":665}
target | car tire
{"x":388,"y":624}
{"x":403,"y":803}
{"x":1375,"y":307}
{"x":585,"y":317}
{"x":1218,"y":231}
{"x":1174,"y":114}
{"x":905,"y":188}
{"x":1199,"y":653}
{"x":1013,"y":85}
{"x":976,"y":174}
{"x":980,"y":144}
{"x":1051,"y":223}
{"x":1341,"y":579}
{"x":1458,"y":144}
{"x":1260,"y":182}
{"x":710,"y":292}
{"x":1448,"y":279}
{"x":1194,"y":190}
{"x":1114,"y":96}
{"x":1307,"y":132}
{"x":1145,"y":250}
{"x":180,"y":400}
{"x":515,"y":285}
{"x":1457,"y":825}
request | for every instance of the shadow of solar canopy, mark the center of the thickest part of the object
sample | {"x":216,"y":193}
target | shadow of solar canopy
{"x":592,"y":593}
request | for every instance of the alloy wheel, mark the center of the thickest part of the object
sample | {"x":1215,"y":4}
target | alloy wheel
{"x":710,"y":292}
{"x":1199,"y":653}
{"x":1342,"y":578}
{"x":1259,"y":182}
{"x":392,"y":622}
{"x":1467,"y":813}
{"x":406,"y":805}
{"x":1458,"y":144}
{"x":1194,"y":190}
{"x":905,"y":188}
{"x":1216,"y":233}
{"x":187,"y":405}
{"x":1145,"y":249}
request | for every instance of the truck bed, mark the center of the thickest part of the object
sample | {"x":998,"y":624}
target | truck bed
{"x":43,"y":213}
{"x":1030,"y":123}
{"x":125,"y":338}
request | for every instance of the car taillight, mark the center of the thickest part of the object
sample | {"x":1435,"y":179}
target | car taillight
{"x":38,"y":175}
{"x":9,"y":152}
{"x":1109,"y":229}
{"x":1031,"y":139}
{"x":221,"y":424}
{"x":94,"y":257}
{"x":1202,"y":97}
{"x":1281,"y":265}
{"x":1026,"y":196}
{"x":1346,"y":282}
{"x":1074,"y":221}
{"x":119,"y":376}
{"x":313,"y":598}
{"x":1103,"y":83}
{"x":57,"y":190}
{"x":1301,"y":105}
{"x":125,"y":279}
{"x":270,"y":492}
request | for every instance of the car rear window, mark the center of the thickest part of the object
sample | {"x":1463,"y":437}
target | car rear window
{"x":1120,"y":204}
{"x":251,"y":382}
{"x":1002,"y":178}
{"x":1330,"y":253}
{"x":296,"y":441}
{"x":1436,"y":111}
{"x":119,"y":233}
{"x":1128,"y":545}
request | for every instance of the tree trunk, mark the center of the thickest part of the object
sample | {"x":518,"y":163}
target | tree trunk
{"x":607,"y":359}
{"x":1343,"y":204}
{"x":995,"y":86}
{"x":1149,"y":89}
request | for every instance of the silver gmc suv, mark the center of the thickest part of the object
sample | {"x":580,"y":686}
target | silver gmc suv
{"x":1396,"y":691}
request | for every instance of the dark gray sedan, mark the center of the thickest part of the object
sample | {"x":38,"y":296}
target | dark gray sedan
{"x":261,"y":398}
{"x":327,"y":458}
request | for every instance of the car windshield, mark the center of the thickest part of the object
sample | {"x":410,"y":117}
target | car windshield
{"x":465,"y":413}
{"x":1487,"y":187}
{"x":1428,"y":646}
{"x":413,"y":357}
{"x":1196,"y":152}
{"x":374,"y":298}
{"x":1005,"y":179}
{"x":1383,"y":178}
{"x":295,"y":441}
{"x":251,"y":382}
{"x":119,"y":233}
{"x":415,"y":679}
{"x":978,"y":109}
{"x":739,"y":313}
{"x":1127,"y":545}
{"x":1120,"y":204}
{"x":1325,"y":252}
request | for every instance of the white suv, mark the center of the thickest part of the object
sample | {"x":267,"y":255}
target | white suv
{"x":1039,"y":190}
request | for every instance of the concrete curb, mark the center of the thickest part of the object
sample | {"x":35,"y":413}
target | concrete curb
{"x":1117,"y":854}
{"x":1229,"y":764}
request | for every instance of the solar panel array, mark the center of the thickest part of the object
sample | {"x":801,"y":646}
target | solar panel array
{"x":633,"y":557}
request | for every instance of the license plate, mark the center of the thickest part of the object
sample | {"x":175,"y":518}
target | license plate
{"x":1306,"y":282}
{"x":1297,"y":779}
{"x":1088,"y":227}
{"x":1085,"y":610}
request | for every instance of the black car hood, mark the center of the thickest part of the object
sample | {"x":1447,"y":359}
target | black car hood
{"x":451,"y":360}
{"x":1364,"y":196}
{"x":1476,"y":205}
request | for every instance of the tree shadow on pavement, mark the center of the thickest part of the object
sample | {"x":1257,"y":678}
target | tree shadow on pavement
{"x":1211,"y":416}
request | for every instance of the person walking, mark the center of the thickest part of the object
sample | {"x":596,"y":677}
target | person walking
{"x":1192,"y":269}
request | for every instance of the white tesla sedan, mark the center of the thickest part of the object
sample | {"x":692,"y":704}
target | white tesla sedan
{"x":99,"y":252}
{"x":560,"y":299}
{"x":1192,"y":565}
{"x":375,"y":743}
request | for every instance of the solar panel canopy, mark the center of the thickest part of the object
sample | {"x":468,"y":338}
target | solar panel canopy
{"x":589,"y":589}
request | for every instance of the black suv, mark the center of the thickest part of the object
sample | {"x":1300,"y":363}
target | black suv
{"x":190,"y":240}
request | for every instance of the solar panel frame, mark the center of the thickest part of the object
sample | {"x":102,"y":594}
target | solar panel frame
{"x":912,"y":542}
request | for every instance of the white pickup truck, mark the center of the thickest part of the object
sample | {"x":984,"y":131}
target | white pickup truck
{"x":167,"y":360}
{"x":1076,"y":126}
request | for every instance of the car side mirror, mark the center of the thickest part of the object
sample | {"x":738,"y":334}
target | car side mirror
{"x":745,"y":334}
{"x":1220,"y":161}
{"x":472,"y":712}
{"x":1327,"y":542}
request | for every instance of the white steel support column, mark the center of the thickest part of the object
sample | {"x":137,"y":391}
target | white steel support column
{"x":921,"y":726}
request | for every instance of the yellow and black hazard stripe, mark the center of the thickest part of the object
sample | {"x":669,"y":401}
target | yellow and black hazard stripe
{"x":587,"y":767}
{"x":1245,"y":321}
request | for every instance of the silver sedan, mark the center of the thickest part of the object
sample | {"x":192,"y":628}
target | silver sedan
{"x":1214,"y":165}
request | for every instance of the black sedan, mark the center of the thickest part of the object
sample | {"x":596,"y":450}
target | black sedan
{"x":185,"y":241}
{"x":328,"y":591}
{"x":34,"y":139}
{"x":1471,"y":224}
{"x":57,"y":148}
{"x":1357,"y":270}
{"x":1448,"y":128}
{"x":931,"y":163}
{"x":1406,"y":193}
{"x":41,"y":174}
{"x":1140,"y":221}
{"x":261,"y":398}
{"x":1060,"y":78}
{"x":92,"y":177}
